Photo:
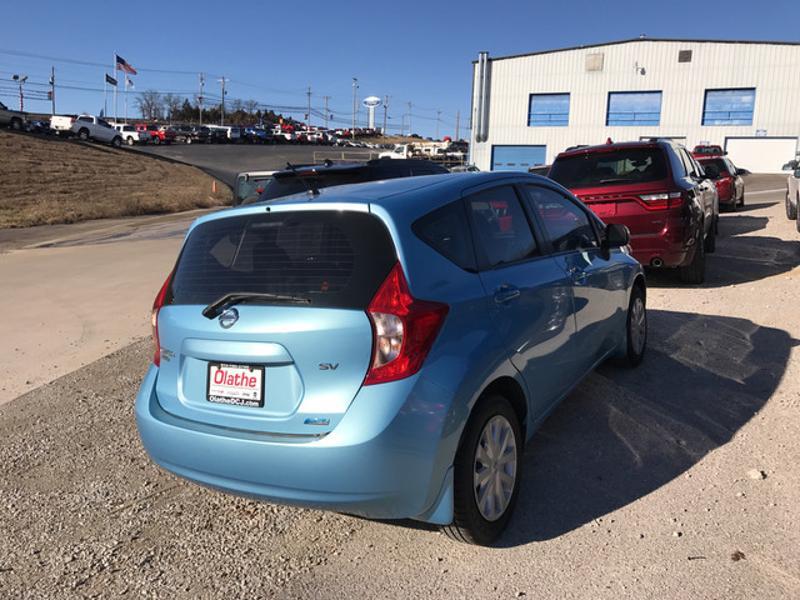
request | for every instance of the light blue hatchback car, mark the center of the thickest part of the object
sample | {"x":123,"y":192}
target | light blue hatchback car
{"x":385,"y":349}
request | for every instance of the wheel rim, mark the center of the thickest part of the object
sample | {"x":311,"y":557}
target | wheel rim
{"x":495,"y":468}
{"x":638,"y":326}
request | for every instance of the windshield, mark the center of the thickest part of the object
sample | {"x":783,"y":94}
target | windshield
{"x":292,"y":184}
{"x":336,"y":259}
{"x":628,"y":165}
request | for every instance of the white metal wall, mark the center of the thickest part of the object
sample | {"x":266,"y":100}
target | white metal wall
{"x":773,"y":69}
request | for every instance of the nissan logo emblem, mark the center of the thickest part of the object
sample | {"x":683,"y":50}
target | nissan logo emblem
{"x":228,"y":318}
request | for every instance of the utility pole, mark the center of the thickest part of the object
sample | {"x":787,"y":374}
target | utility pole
{"x":308,"y":115}
{"x":385,"y":111}
{"x":53,"y":91}
{"x":21,"y":79}
{"x":200,"y":97}
{"x":438,"y":115}
{"x":326,"y":110}
{"x":223,"y":81}
{"x":458,"y":119}
{"x":410,"y":130}
{"x":355,"y":89}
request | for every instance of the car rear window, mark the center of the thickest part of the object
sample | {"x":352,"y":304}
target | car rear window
{"x":286,"y":185}
{"x":721,"y":165}
{"x":336,"y":259}
{"x":623,"y":166}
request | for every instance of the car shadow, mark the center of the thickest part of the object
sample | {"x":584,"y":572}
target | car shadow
{"x":624,"y":433}
{"x":738,"y":258}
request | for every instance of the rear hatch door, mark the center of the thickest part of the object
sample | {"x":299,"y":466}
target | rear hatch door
{"x":613,"y":181}
{"x":287,"y":366}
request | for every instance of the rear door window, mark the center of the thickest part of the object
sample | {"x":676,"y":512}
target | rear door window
{"x":566,"y":224}
{"x":625,"y":165}
{"x":336,"y":259}
{"x":446,"y":230}
{"x":501,"y":227}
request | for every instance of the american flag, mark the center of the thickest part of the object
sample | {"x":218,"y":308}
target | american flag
{"x":122,"y":65}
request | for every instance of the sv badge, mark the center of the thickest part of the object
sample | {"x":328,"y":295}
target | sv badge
{"x":328,"y":366}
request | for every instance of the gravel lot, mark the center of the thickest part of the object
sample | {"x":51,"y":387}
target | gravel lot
{"x":676,"y":480}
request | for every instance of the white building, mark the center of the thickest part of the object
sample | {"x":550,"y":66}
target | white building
{"x":740,"y":95}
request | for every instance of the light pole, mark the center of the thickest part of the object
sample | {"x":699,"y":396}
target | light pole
{"x":355,"y":91}
{"x":222,"y":81}
{"x":21,"y":79}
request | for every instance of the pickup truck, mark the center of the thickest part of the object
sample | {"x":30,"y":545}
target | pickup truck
{"x":159,"y":134}
{"x":11,"y":118}
{"x":129,"y":134}
{"x":86,"y":127}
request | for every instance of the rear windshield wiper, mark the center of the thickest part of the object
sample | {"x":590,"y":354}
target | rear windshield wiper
{"x":215,"y":308}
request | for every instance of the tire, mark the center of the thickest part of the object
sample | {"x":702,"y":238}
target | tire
{"x":130,"y":141}
{"x":83,"y":135}
{"x":16,"y":124}
{"x":791,"y":210}
{"x":636,"y":328}
{"x":116,"y":142}
{"x":695,"y":271}
{"x":710,"y":242}
{"x":797,"y":221}
{"x":470,"y":525}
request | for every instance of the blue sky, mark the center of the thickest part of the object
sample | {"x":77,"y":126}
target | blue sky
{"x":412,"y":51}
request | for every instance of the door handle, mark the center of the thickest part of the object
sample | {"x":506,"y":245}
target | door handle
{"x":506,"y":293}
{"x":578,"y":275}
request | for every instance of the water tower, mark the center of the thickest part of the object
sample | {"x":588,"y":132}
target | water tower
{"x":371,"y":102}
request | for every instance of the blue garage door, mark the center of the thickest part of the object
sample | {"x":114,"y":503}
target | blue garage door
{"x":517,"y":158}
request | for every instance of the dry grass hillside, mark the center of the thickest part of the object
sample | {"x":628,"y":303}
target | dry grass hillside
{"x":45,"y":181}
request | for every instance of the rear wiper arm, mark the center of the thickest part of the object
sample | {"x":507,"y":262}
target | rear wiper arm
{"x":215,"y":308}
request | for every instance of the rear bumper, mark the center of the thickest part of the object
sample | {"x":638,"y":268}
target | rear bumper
{"x":384,"y":459}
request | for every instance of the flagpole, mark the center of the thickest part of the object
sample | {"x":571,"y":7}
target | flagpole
{"x":126,"y":98}
{"x":116,"y":76}
{"x":105,"y":96}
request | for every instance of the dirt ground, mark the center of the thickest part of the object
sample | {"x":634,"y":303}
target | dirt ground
{"x":46,"y":180}
{"x":676,"y":480}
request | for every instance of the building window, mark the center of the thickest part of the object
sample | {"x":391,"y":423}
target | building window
{"x":548,"y":110}
{"x":517,"y":158}
{"x":729,"y":107}
{"x":633,"y":108}
{"x":684,"y":56}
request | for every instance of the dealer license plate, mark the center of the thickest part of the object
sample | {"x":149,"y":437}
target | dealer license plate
{"x":240,"y":385}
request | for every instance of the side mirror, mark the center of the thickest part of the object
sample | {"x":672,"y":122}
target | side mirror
{"x":797,"y":173}
{"x":616,"y":236}
{"x":742,"y":172}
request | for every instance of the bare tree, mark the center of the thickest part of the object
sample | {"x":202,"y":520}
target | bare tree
{"x":251,"y":106}
{"x":150,"y":104}
{"x":236,"y":105}
{"x":172,"y":104}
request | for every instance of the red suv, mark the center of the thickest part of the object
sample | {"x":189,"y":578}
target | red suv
{"x":658,"y":190}
{"x":727,"y":178}
{"x":159,"y":134}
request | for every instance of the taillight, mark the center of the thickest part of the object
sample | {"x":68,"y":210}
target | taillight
{"x":662,"y":201}
{"x":157,"y":304}
{"x":404,"y":329}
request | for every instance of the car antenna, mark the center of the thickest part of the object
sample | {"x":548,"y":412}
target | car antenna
{"x":312,"y":189}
